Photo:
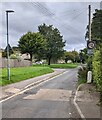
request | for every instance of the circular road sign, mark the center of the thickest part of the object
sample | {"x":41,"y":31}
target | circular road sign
{"x":91,"y":44}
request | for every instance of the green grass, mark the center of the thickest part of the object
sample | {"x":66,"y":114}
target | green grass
{"x":81,"y":81}
{"x":22,"y":73}
{"x":62,"y":66}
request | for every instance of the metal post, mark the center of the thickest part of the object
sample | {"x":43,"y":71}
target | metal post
{"x":8,"y":63}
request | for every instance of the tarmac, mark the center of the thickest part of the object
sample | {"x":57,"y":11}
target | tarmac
{"x":86,"y":99}
{"x":11,"y":89}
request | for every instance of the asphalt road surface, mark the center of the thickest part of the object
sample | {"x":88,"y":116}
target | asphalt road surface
{"x":52,"y":99}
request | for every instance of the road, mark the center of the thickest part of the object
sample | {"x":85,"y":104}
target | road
{"x":51,"y":99}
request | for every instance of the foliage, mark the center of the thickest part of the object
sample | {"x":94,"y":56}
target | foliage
{"x":82,"y":75}
{"x":31,"y":43}
{"x":83,"y":55}
{"x":96,"y":36}
{"x":54,"y":42}
{"x":15,"y":48}
{"x":23,"y":73}
{"x":89,"y":63}
{"x":97,"y":69}
{"x":13,"y":56}
{"x":96,"y":27}
{"x":72,"y":55}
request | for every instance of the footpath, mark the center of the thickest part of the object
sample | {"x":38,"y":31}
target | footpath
{"x":87,"y":101}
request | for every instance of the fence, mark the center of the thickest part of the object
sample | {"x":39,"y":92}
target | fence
{"x":14,"y":63}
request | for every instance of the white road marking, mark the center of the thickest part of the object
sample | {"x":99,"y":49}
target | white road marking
{"x":76,"y":105}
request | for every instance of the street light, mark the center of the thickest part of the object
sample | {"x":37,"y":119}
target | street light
{"x":8,"y":64}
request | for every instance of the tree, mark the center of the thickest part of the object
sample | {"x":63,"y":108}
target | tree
{"x":54,"y":42}
{"x":71,"y":55}
{"x":83,"y":55}
{"x":96,"y":27}
{"x":31,"y":43}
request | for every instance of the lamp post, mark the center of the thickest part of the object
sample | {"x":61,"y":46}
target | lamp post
{"x":8,"y":64}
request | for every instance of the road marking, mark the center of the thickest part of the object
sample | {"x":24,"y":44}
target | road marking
{"x":77,"y":107}
{"x":29,"y":88}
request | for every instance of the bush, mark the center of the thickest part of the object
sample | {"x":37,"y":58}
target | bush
{"x":82,"y":75}
{"x":13,"y":56}
{"x":89,"y":63}
{"x":97,"y":69}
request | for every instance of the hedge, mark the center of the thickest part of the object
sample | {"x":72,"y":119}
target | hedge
{"x":97,"y":69}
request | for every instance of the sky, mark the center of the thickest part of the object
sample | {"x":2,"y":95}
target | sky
{"x":71,"y":18}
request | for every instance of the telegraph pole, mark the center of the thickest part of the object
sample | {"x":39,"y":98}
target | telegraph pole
{"x":89,"y":22}
{"x":89,"y":74}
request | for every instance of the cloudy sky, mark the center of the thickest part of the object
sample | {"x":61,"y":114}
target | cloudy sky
{"x":71,"y":18}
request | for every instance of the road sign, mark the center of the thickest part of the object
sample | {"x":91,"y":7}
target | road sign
{"x":90,"y":44}
{"x":90,"y":51}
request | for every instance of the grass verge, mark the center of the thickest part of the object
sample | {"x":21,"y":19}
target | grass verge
{"x":62,"y":66}
{"x":22,"y":73}
{"x":81,"y":81}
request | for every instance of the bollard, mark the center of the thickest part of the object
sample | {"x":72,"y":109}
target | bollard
{"x":89,"y":77}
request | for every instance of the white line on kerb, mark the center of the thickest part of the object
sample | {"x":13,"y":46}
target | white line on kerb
{"x":77,"y":107}
{"x":26,"y":88}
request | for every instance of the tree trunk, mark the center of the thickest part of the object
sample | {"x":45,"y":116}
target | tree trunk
{"x":49,"y":60}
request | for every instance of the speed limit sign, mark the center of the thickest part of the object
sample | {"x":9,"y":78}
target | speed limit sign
{"x":90,"y":44}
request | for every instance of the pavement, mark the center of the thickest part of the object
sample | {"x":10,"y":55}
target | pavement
{"x":86,"y":99}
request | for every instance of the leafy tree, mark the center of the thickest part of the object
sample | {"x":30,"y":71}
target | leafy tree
{"x":31,"y":43}
{"x":4,"y":54}
{"x":96,"y":27}
{"x":83,"y":55}
{"x":71,"y":55}
{"x":54,"y":42}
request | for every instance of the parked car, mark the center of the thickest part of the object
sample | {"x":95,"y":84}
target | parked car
{"x":39,"y":63}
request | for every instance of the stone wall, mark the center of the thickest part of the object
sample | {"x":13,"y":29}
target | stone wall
{"x":14,"y":63}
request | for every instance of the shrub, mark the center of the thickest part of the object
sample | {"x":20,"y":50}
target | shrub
{"x":13,"y":56}
{"x":89,"y":63}
{"x":97,"y":69}
{"x":82,"y":75}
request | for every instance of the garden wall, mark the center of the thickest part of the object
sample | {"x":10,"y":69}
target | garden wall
{"x":14,"y":63}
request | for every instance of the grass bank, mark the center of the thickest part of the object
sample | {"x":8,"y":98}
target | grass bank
{"x":23,"y":73}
